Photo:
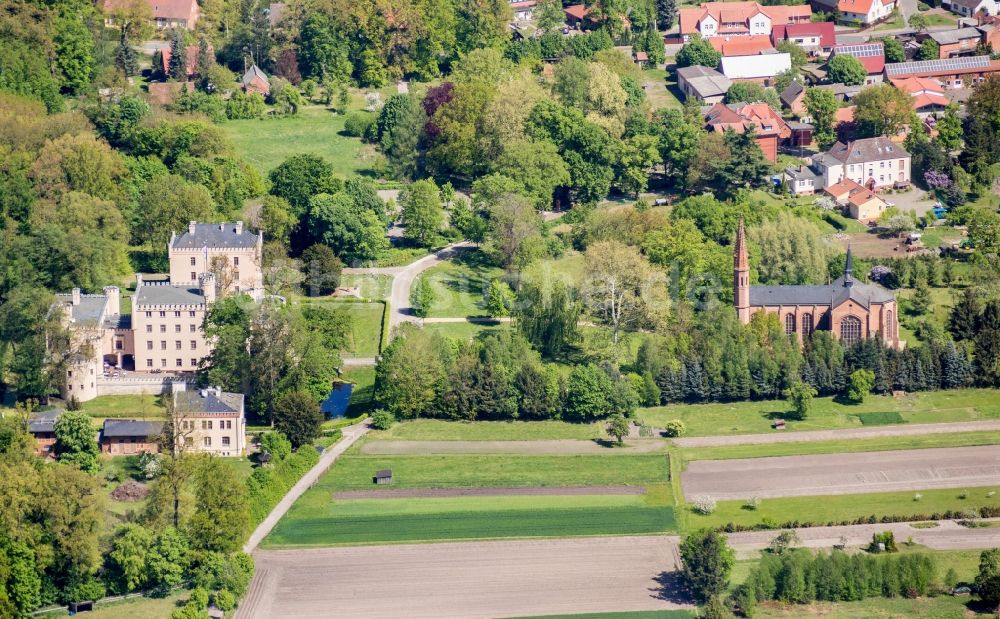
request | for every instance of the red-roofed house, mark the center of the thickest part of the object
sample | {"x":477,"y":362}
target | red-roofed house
{"x":742,"y":45}
{"x":864,"y":11}
{"x":861,"y":202}
{"x":523,"y":9}
{"x":814,"y":38}
{"x":767,"y":124}
{"x":166,"y":13}
{"x":871,"y":55}
{"x":575,"y":14}
{"x":928,"y":94}
{"x":713,"y":19}
{"x":843,"y":115}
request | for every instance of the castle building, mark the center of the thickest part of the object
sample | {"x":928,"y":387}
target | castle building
{"x":161,"y":341}
{"x":849,"y":309}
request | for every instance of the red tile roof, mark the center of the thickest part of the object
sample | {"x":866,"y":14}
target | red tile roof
{"x":846,"y":186}
{"x":740,"y":116}
{"x":741,"y":46}
{"x":914,"y":85}
{"x":641,"y":56}
{"x":824,"y":29}
{"x":871,"y":55}
{"x":578,"y":11}
{"x":190,"y":57}
{"x":843,"y":115}
{"x":724,"y":12}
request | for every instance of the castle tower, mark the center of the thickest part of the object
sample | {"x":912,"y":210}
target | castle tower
{"x":741,"y":275}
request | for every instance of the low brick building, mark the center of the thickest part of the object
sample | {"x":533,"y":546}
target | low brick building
{"x":128,"y":437}
{"x":42,"y":426}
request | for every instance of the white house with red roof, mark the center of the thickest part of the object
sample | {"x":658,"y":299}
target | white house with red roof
{"x":814,"y":37}
{"x":863,"y":11}
{"x":166,"y":13}
{"x":714,"y":19}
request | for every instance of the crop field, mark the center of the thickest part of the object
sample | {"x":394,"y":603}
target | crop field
{"x":826,"y":414}
{"x":317,"y":521}
{"x":820,"y":510}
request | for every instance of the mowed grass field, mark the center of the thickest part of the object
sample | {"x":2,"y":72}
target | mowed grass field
{"x":460,"y":284}
{"x":318,"y":519}
{"x":314,"y":130}
{"x":437,"y":430}
{"x":826,"y":414}
{"x":820,"y":510}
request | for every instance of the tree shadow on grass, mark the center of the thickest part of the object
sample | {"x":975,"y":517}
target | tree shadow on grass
{"x":610,"y":444}
{"x":672,"y":588}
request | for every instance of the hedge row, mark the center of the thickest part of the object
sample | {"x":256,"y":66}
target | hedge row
{"x":989,"y":511}
{"x":268,"y":484}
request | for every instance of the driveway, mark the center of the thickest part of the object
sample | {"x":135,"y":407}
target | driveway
{"x":914,"y":200}
{"x":879,"y":471}
{"x":467,"y":580}
{"x":400,"y":310}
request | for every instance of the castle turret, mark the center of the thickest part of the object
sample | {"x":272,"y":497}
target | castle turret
{"x":207,"y":281}
{"x":741,"y":275}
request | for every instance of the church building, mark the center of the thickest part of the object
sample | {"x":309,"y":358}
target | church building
{"x":852,"y":310}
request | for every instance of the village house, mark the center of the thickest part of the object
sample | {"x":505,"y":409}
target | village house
{"x":862,"y":11}
{"x":161,"y":340}
{"x":793,"y":98}
{"x":751,"y":45}
{"x":814,"y":37}
{"x":860,"y":203}
{"x":191,"y":54}
{"x":166,"y":13}
{"x":849,"y":309}
{"x":210,"y":421}
{"x":129,"y":437}
{"x":871,"y":56}
{"x":969,"y":8}
{"x":875,"y":163}
{"x":523,"y":10}
{"x":963,"y":72}
{"x":42,"y":426}
{"x":767,"y":124}
{"x":928,"y":94}
{"x":958,"y":42}
{"x":802,"y":180}
{"x":255,"y":80}
{"x":713,"y":19}
{"x":703,"y":84}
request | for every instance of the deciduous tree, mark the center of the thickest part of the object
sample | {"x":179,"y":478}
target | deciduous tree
{"x":846,"y":69}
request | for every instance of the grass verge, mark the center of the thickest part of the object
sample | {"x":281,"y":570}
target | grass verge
{"x":437,"y":430}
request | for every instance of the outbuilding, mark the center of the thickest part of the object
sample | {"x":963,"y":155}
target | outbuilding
{"x":383,"y":477}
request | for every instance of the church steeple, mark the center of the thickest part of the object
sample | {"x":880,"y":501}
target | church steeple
{"x":849,"y":269}
{"x":741,"y":275}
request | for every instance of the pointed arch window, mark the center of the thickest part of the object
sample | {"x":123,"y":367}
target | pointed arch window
{"x":850,"y":330}
{"x":807,"y":324}
{"x":789,"y":323}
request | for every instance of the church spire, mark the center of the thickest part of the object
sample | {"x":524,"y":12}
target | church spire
{"x":741,"y":275}
{"x":849,"y":269}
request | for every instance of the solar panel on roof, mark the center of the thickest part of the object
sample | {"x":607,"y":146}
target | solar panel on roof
{"x":860,"y":50}
{"x":946,"y":64}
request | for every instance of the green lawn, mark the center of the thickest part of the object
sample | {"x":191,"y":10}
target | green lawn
{"x":124,"y":406}
{"x":437,"y":430}
{"x":570,"y":268}
{"x":132,"y":608}
{"x":662,"y":91}
{"x":756,"y":417}
{"x":316,"y":520}
{"x":314,"y":130}
{"x":886,"y":443}
{"x":364,"y":388}
{"x":823,"y":509}
{"x":402,"y":256}
{"x":375,"y":287}
{"x":464,"y":331}
{"x":366,"y":326}
{"x":354,"y":472}
{"x":460,"y":284}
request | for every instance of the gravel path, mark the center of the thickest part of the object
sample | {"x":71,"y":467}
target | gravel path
{"x":879,"y":471}
{"x":555,"y":447}
{"x":351,"y":434}
{"x":833,"y":435}
{"x":423,"y":493}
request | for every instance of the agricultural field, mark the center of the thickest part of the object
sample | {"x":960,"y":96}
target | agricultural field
{"x":475,"y":496}
{"x":642,"y":614}
{"x":314,"y":130}
{"x":826,"y":414}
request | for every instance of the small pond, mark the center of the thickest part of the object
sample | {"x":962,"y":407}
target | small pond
{"x":335,"y":404}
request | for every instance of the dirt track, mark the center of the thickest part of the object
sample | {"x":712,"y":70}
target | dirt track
{"x":464,"y":580}
{"x":836,"y":435}
{"x":402,"y":493}
{"x":555,"y":447}
{"x":882,"y":471}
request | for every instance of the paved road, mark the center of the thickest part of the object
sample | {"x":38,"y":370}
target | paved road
{"x":879,"y":471}
{"x":834,"y":435}
{"x":351,"y":434}
{"x":465,"y":580}
{"x":357,"y":361}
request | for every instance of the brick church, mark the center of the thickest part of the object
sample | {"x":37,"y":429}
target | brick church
{"x":852,"y":310}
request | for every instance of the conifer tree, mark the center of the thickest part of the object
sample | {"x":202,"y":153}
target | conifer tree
{"x":125,"y":58}
{"x":177,"y":67}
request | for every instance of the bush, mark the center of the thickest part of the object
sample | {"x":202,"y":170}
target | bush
{"x":674,"y":428}
{"x":266,"y":486}
{"x":382,"y":419}
{"x":752,"y":503}
{"x":703,"y":505}
{"x":886,"y":539}
{"x":224,"y":600}
{"x":276,"y":444}
{"x":356,"y":124}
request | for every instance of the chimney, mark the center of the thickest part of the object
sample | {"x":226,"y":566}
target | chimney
{"x":191,"y":226}
{"x":208,"y":287}
{"x":239,"y":227}
{"x":112,"y":303}
{"x":76,"y":296}
{"x":138,"y":280}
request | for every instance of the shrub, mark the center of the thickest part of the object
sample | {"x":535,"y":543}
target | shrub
{"x":356,"y":124}
{"x":703,"y":505}
{"x":266,"y":486}
{"x":382,"y":419}
{"x":674,"y":428}
{"x":917,"y":496}
{"x":886,"y":539}
{"x":224,"y":600}
{"x":963,"y":494}
{"x":752,"y":503}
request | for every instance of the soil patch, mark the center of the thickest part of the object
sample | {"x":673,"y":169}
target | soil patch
{"x":419,"y":493}
{"x":130,"y":491}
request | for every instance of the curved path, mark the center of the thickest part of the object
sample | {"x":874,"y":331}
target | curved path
{"x":833,"y":435}
{"x":351,"y":434}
